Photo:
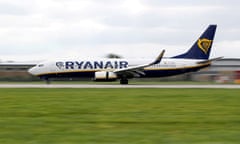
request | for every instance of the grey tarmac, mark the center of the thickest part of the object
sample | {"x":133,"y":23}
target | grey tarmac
{"x":217,"y":86}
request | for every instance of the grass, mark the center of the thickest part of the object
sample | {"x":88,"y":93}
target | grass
{"x":136,"y":116}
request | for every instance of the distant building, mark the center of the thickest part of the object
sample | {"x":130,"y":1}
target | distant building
{"x":222,"y":71}
{"x":15,"y":71}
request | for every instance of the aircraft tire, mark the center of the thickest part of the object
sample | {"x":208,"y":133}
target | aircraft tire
{"x":123,"y":81}
{"x":46,"y":79}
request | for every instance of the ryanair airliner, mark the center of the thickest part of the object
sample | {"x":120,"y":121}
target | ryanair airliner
{"x":196,"y":58}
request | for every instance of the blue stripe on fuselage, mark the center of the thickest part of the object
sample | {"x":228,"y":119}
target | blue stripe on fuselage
{"x":171,"y":72}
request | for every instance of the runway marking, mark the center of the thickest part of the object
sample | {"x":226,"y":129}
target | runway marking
{"x":227,"y":86}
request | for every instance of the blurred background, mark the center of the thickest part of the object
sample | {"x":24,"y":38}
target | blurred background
{"x":221,"y":71}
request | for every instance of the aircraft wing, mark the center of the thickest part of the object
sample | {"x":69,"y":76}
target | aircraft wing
{"x":136,"y":71}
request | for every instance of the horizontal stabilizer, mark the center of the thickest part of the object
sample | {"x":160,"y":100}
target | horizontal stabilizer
{"x":210,"y":60}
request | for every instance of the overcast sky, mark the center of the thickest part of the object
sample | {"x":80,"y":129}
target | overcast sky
{"x":45,"y":29}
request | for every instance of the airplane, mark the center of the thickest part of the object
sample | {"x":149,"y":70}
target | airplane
{"x":196,"y":58}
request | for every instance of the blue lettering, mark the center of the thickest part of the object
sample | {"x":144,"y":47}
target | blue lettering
{"x":79,"y":64}
{"x":123,"y":64}
{"x":116,"y":64}
{"x":88,"y":65}
{"x":108,"y":65}
{"x":94,"y":64}
{"x":69,"y":65}
{"x":98,"y":65}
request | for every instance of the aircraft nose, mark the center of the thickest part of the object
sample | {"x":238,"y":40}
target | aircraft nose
{"x":32,"y":71}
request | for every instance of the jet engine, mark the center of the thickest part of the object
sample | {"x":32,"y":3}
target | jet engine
{"x":105,"y":76}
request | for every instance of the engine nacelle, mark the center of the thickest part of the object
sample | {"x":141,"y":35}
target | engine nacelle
{"x":105,"y":76}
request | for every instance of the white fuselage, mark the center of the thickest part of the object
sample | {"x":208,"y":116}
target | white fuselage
{"x":195,"y":58}
{"x":86,"y":66}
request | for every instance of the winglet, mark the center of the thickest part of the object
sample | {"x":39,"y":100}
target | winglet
{"x":159,"y":58}
{"x":139,"y":67}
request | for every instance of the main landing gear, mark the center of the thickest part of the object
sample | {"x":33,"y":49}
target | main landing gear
{"x":123,"y":81}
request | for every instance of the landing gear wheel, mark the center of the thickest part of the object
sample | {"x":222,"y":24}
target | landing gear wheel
{"x":46,"y":79}
{"x":123,"y":81}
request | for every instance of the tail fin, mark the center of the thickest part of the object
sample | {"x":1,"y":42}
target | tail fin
{"x":202,"y":47}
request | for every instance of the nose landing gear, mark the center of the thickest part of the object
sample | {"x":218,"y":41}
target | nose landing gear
{"x":46,"y":79}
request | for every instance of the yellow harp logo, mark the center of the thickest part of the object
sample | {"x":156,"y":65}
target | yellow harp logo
{"x":204,"y":44}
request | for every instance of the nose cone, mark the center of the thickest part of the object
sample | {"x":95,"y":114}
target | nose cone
{"x":32,"y":71}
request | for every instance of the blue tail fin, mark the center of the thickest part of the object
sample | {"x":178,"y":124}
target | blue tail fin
{"x":202,"y":47}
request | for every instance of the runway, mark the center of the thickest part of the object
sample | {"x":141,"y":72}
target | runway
{"x":220,"y":86}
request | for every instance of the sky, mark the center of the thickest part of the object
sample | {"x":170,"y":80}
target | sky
{"x":48,"y":29}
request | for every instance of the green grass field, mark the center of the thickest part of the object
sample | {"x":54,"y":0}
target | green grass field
{"x":119,"y":116}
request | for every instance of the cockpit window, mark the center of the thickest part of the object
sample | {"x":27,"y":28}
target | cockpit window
{"x":40,"y":65}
